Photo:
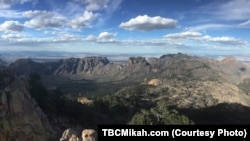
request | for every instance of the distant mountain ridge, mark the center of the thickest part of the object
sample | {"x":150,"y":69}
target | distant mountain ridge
{"x":137,"y":68}
{"x":210,"y":81}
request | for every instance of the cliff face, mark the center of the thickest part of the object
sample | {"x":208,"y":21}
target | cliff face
{"x":86,"y":65}
{"x":20,"y":117}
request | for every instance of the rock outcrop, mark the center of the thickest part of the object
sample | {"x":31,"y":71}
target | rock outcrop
{"x":20,"y":117}
{"x":137,"y":61}
{"x":86,"y":65}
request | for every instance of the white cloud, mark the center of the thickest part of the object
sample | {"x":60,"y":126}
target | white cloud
{"x":225,"y":10}
{"x":205,"y":27}
{"x":6,"y":13}
{"x":183,"y":35}
{"x":44,"y":19}
{"x":234,"y":10}
{"x":103,"y":8}
{"x":11,"y":26}
{"x":106,"y":37}
{"x":82,"y":21}
{"x":103,"y":37}
{"x":146,"y":23}
{"x":9,"y":3}
{"x":246,"y":23}
{"x":66,"y":38}
{"x":90,"y":38}
{"x":32,"y":14}
{"x":198,"y":37}
{"x":224,"y":40}
{"x":47,"y":19}
{"x":11,"y":37}
{"x":95,"y":5}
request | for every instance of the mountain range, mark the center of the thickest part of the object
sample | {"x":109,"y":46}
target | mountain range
{"x":205,"y":90}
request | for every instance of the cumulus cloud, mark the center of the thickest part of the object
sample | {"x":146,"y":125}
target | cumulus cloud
{"x":103,"y":9}
{"x":147,"y":23}
{"x":82,"y":21}
{"x":11,"y":26}
{"x":43,"y":19}
{"x":103,"y":37}
{"x":95,"y":5}
{"x":106,"y":37}
{"x":9,"y":3}
{"x":7,"y":13}
{"x":47,"y":19}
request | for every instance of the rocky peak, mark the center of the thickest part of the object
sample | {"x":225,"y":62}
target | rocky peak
{"x":229,"y":59}
{"x":83,"y":65}
{"x":178,"y":56}
{"x":96,"y":60}
{"x":137,"y":60}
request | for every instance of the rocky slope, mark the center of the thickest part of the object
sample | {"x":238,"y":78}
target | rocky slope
{"x":231,"y":69}
{"x":197,"y":94}
{"x":20,"y":116}
{"x":194,"y":85}
{"x":183,"y":81}
{"x":178,"y":71}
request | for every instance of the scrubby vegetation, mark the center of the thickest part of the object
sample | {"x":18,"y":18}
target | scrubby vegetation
{"x":124,"y":107}
{"x":159,"y":114}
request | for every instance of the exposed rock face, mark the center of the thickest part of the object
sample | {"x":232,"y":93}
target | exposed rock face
{"x":64,"y":67}
{"x":77,"y":66}
{"x":84,"y":100}
{"x":171,"y":65}
{"x":154,"y":82}
{"x":211,"y":74}
{"x":137,"y":61}
{"x":230,"y":69}
{"x":20,"y":117}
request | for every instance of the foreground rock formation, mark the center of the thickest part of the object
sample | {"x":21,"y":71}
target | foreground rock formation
{"x":20,"y":117}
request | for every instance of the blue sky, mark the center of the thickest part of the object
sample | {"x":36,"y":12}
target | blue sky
{"x":200,"y":27}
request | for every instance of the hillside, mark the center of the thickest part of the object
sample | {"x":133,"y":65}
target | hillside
{"x":20,"y":115}
{"x":177,"y":74}
{"x":171,"y":89}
